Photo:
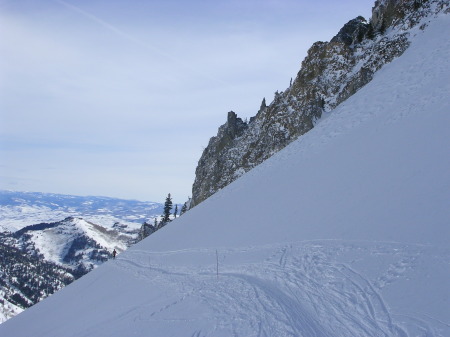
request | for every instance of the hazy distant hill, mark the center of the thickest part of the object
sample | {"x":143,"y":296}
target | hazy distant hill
{"x":20,"y":209}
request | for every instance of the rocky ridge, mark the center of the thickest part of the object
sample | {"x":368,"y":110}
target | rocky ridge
{"x":331,"y":72}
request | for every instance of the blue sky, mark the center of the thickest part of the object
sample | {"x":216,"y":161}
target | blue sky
{"x":119,"y":98}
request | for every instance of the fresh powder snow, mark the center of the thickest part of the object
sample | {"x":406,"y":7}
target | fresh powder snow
{"x":343,"y":233}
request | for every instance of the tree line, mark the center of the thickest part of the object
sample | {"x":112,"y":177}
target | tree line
{"x":167,"y":216}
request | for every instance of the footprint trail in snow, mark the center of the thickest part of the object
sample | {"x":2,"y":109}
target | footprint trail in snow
{"x":301,"y":289}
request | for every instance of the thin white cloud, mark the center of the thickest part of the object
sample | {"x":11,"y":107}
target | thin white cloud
{"x":113,"y":28}
{"x":136,"y":41}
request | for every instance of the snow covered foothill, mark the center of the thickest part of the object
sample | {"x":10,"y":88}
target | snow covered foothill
{"x":32,"y":222}
{"x":54,"y":243}
{"x":343,"y":233}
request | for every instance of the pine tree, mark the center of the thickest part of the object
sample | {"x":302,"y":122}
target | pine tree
{"x":383,"y":27}
{"x":141,"y":235}
{"x":176,"y":211}
{"x":360,"y":36}
{"x":145,"y":230}
{"x":183,"y":209}
{"x":370,"y":31}
{"x":167,"y":209}
{"x":417,"y":4}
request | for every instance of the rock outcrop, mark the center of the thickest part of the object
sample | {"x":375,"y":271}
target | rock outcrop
{"x":330,"y":73}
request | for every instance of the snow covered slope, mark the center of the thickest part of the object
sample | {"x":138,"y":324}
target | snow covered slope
{"x":343,"y":233}
{"x":72,"y":242}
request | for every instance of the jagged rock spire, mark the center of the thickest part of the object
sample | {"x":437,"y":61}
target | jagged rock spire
{"x":332,"y":72}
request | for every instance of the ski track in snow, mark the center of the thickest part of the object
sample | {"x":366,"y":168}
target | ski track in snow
{"x":299,"y":289}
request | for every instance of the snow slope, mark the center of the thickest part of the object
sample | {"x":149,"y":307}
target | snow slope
{"x":54,"y":243}
{"x":343,"y":233}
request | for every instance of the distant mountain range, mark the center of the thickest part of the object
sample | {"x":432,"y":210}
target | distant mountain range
{"x":49,"y":240}
{"x":20,"y":209}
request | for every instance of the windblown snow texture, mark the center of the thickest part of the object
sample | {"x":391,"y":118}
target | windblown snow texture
{"x":345,"y":232}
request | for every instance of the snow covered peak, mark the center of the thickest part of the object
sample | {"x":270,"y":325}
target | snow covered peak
{"x":74,"y":242}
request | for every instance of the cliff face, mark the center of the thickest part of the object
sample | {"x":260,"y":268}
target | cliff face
{"x":330,"y":73}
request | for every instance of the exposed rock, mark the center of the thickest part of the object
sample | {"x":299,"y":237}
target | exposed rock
{"x":210,"y":167}
{"x":330,"y":73}
{"x":352,"y":32}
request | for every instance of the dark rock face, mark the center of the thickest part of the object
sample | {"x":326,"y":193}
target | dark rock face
{"x":330,"y":73}
{"x":211,"y":166}
{"x":352,"y":32}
